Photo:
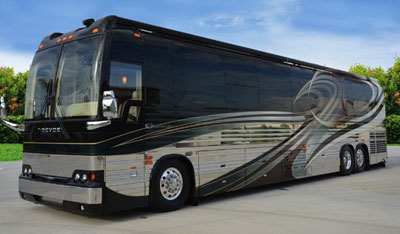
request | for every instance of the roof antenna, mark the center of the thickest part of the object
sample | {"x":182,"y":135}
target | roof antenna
{"x":88,"y":22}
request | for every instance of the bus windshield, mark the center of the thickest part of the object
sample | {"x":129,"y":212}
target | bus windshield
{"x":38,"y":88}
{"x":74,"y":89}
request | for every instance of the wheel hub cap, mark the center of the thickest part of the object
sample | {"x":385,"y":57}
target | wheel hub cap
{"x":171,"y":183}
{"x":347,"y":160}
{"x":360,"y":157}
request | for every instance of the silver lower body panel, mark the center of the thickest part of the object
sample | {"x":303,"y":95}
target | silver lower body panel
{"x":61,"y":192}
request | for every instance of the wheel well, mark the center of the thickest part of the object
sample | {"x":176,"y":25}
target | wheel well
{"x":188,"y":165}
{"x":351,"y":147}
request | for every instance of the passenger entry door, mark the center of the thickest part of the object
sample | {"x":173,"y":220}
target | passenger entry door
{"x":125,"y":170}
{"x":126,"y":83}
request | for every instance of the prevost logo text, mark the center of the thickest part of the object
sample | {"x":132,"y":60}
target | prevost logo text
{"x":50,"y":130}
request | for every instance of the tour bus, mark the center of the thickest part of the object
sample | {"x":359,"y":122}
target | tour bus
{"x":121,"y":114}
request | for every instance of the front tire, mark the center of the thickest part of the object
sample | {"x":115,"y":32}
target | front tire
{"x":170,"y":186}
{"x":346,"y":160}
{"x":360,"y":159}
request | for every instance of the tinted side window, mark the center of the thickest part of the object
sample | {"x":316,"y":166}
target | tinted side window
{"x":240,"y":70}
{"x":361,"y":94}
{"x":158,"y":73}
{"x":241,"y":78}
{"x":126,"y":82}
{"x":198,"y":78}
{"x":275,"y":87}
{"x":300,"y":78}
{"x":126,"y":47}
{"x":348,"y":104}
{"x":241,"y":97}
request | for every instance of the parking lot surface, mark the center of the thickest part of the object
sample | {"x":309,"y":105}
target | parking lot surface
{"x":367,"y":202}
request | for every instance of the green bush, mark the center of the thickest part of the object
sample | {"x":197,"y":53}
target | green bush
{"x":9,"y":136}
{"x":393,"y":129}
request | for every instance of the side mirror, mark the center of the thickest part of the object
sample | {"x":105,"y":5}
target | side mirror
{"x":3,"y":108}
{"x":109,"y":105}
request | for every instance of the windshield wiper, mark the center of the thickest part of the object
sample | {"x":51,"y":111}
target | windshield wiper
{"x":49,"y":98}
{"x":58,"y":118}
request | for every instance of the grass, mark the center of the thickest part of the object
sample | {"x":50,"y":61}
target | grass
{"x":393,"y":144}
{"x":10,"y":152}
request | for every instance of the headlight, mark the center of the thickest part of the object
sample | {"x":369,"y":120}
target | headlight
{"x":77,"y":177}
{"x":84,"y":178}
{"x":87,"y":177}
{"x":26,"y":170}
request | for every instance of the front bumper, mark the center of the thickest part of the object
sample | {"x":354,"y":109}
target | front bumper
{"x":76,"y":198}
{"x":70,"y":197}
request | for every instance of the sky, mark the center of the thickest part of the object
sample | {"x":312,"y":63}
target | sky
{"x":337,"y":33}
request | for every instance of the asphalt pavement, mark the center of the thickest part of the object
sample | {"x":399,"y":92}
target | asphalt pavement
{"x":367,"y":202}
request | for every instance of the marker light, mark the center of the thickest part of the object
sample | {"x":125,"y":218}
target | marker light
{"x":92,"y":176}
{"x":64,"y":38}
{"x":148,"y":157}
{"x":70,"y":36}
{"x":25,"y":171}
{"x":136,"y":35}
{"x":59,"y":40}
{"x":95,"y":30}
{"x":41,"y":46}
{"x":29,"y":171}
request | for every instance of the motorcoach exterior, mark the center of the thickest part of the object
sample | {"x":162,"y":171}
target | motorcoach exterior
{"x":120,"y":114}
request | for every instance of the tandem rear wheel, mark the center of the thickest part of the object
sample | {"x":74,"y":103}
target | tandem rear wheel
{"x":360,"y":159}
{"x":170,"y":186}
{"x":346,"y":160}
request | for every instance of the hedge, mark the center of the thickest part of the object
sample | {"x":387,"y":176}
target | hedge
{"x":393,"y":129}
{"x":9,"y":136}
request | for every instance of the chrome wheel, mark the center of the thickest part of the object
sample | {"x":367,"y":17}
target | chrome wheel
{"x":347,"y":160}
{"x":171,"y":183}
{"x":360,"y":157}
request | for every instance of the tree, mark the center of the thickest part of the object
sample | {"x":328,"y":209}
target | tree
{"x":389,"y":80}
{"x":12,"y":87}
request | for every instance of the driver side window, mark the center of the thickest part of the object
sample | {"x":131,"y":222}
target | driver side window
{"x":126,"y":82}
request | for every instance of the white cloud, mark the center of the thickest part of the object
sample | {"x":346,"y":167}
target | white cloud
{"x":269,"y":29}
{"x":222,"y":20}
{"x":337,"y":51}
{"x":17,"y":60}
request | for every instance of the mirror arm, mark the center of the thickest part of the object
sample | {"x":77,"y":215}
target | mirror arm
{"x":13,"y":126}
{"x":92,"y":125}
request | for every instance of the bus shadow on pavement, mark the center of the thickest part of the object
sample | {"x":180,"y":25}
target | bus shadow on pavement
{"x":285,"y":186}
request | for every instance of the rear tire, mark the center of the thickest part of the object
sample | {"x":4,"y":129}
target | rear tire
{"x":170,"y":186}
{"x":360,"y":159}
{"x":346,"y":160}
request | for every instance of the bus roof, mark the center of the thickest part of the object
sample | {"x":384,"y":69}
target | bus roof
{"x":114,"y":22}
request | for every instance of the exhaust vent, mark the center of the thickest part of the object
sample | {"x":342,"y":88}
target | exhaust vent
{"x":88,"y":22}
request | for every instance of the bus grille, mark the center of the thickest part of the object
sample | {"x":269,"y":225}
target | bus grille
{"x":378,"y":142}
